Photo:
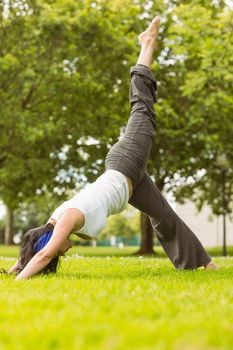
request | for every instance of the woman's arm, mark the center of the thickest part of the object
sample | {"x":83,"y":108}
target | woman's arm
{"x":72,"y":219}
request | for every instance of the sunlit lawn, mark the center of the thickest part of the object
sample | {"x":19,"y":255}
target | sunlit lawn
{"x":113,"y":302}
{"x":12,"y":251}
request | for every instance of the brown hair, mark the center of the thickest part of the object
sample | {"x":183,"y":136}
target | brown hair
{"x":27,"y":249}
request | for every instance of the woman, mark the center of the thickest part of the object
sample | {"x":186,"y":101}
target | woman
{"x":125,"y":180}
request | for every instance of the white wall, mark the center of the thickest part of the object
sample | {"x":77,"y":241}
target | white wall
{"x":2,"y":210}
{"x":210,"y":233}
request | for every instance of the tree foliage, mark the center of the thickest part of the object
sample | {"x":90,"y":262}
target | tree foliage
{"x":195,"y":102}
{"x":205,"y":47}
{"x":125,"y":224}
{"x":62,"y":64}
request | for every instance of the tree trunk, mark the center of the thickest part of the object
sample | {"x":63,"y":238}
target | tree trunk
{"x":147,"y":237}
{"x":2,"y":234}
{"x":9,"y":226}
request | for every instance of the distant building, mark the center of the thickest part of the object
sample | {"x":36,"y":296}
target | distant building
{"x":210,"y":233}
{"x":2,"y":210}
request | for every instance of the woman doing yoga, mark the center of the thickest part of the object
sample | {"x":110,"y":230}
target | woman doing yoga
{"x":125,"y":180}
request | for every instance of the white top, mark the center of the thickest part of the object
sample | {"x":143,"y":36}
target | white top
{"x":108,"y":195}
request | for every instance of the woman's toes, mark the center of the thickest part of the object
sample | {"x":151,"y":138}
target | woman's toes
{"x":151,"y":33}
{"x":211,"y":266}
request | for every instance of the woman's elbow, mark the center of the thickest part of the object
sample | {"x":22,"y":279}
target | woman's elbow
{"x":45,"y":256}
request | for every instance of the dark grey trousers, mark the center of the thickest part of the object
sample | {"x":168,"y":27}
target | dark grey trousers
{"x":130,"y":155}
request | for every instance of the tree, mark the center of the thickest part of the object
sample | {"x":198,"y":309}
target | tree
{"x":208,"y":88}
{"x":67,"y":62}
{"x":194,"y":103}
{"x":52,"y":59}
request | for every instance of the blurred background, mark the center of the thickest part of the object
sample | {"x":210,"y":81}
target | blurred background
{"x":64,"y":80}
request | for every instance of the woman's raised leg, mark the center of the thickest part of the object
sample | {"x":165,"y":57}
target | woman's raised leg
{"x":130,"y":154}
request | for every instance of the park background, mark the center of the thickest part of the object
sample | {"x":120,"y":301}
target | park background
{"x":64,"y":78}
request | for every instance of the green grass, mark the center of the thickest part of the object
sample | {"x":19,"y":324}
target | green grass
{"x":117,"y":303}
{"x":13,"y":251}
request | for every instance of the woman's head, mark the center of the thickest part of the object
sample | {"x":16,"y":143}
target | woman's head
{"x":33,"y":241}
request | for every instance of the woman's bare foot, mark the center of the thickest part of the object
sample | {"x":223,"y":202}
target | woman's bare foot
{"x":149,"y":36}
{"x":211,"y":266}
{"x":148,"y":40}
